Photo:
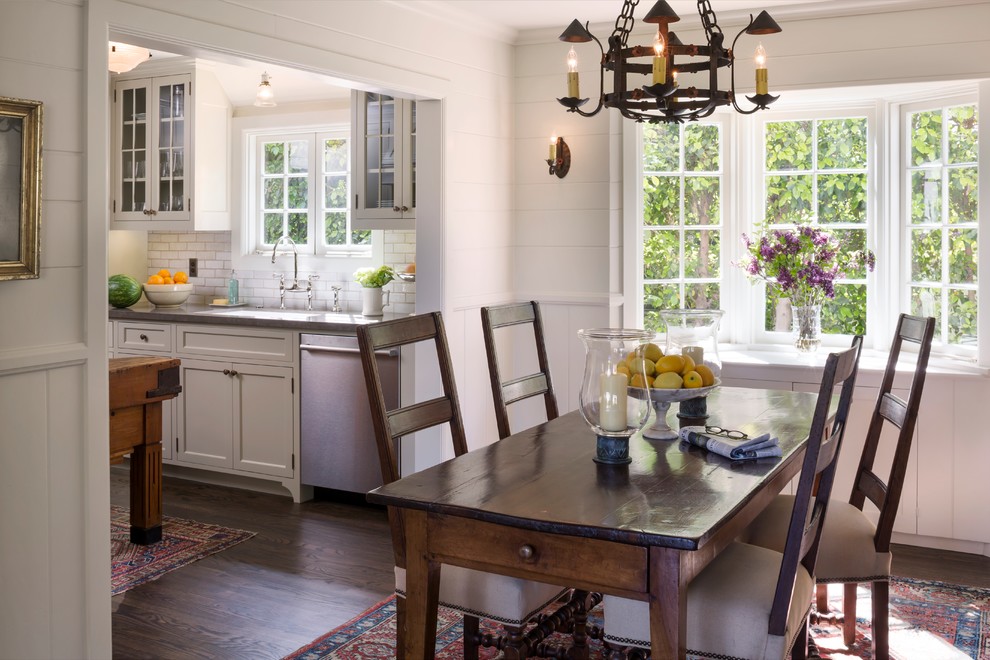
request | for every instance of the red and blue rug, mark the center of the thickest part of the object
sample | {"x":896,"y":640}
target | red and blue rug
{"x":928,"y":621}
{"x":183,"y":542}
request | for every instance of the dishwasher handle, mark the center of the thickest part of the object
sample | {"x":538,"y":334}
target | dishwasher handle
{"x":392,"y":352}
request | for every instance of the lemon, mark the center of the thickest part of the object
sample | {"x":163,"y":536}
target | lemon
{"x":638,"y":381}
{"x":652,"y":352}
{"x":707,"y":377}
{"x":670,"y":363}
{"x":692,"y":380}
{"x":642,"y":365}
{"x":688,"y":364}
{"x":669,"y":380}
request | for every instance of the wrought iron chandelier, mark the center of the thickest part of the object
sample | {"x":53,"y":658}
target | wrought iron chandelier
{"x":663,"y":100}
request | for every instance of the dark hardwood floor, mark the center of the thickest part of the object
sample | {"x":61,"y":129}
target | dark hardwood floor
{"x":311,"y":567}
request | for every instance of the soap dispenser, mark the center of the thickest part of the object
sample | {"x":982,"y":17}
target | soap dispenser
{"x":232,"y":292}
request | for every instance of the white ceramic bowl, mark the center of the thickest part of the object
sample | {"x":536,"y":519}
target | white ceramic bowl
{"x":167,"y":295}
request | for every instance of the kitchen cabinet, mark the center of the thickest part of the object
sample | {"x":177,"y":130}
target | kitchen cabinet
{"x":236,"y":415}
{"x":171,"y":161}
{"x":384,"y":147}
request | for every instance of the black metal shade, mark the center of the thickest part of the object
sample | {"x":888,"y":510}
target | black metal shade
{"x":577,"y":33}
{"x":661,"y":13}
{"x":763,"y":24}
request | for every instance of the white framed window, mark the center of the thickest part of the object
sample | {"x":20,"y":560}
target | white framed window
{"x":300,"y":184}
{"x":939,"y":222}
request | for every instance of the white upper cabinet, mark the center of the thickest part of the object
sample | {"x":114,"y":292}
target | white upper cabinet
{"x":171,"y":160}
{"x":384,"y":174}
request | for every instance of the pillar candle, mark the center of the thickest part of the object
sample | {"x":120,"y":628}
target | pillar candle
{"x":696,"y":353}
{"x":612,"y":402}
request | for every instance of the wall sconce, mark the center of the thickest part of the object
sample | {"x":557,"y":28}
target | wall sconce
{"x":560,"y":157}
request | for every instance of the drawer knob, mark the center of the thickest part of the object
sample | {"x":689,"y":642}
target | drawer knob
{"x":226,"y":372}
{"x":526,"y":552}
{"x":143,"y":337}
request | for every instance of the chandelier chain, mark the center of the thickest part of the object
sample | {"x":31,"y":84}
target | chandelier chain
{"x":624,"y":21}
{"x":708,"y":19}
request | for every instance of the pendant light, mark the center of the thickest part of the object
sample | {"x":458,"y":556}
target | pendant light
{"x":124,"y":57}
{"x":266,"y":95}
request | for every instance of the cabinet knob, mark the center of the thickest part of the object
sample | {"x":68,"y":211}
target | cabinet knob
{"x":143,"y":337}
{"x":234,"y":373}
{"x":396,"y":209}
{"x":405,"y":208}
{"x":526,"y":552}
{"x":226,"y":372}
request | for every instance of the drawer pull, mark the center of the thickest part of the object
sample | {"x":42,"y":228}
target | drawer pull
{"x":226,"y":372}
{"x":143,"y":337}
{"x":526,"y":552}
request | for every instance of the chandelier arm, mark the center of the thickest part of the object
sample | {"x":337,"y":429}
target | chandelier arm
{"x":601,"y":82}
{"x":732,"y":75}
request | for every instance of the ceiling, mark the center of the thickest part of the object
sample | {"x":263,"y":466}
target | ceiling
{"x":505,"y":19}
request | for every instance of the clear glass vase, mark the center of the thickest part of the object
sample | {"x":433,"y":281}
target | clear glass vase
{"x":807,"y":324}
{"x":612,"y":408}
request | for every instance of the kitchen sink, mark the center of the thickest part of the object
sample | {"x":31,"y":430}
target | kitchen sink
{"x":292,"y":315}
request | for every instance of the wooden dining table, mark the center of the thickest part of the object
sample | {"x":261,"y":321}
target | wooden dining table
{"x":536,"y":506}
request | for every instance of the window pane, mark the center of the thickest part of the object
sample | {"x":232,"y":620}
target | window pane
{"x":845,"y":313}
{"x":842,"y":198}
{"x":660,"y":254}
{"x":273,"y":227}
{"x":299,"y":227}
{"x":335,"y":192}
{"x":274,"y":157}
{"x":962,"y":256}
{"x":788,"y":145}
{"x":298,"y":193}
{"x":962,"y":194}
{"x":298,"y":157}
{"x":701,"y":253}
{"x":336,"y":228}
{"x":926,"y":255}
{"x":661,"y":200}
{"x":335,"y":156}
{"x":842,"y":143}
{"x":962,"y":317}
{"x":789,"y":199}
{"x":274,"y":196}
{"x":926,"y":137}
{"x":657,"y":297}
{"x":701,"y":296}
{"x":925,"y":302}
{"x":361,"y":237}
{"x":926,"y":196}
{"x":661,"y":148}
{"x":702,"y":200}
{"x":701,"y":150}
{"x":963,"y":131}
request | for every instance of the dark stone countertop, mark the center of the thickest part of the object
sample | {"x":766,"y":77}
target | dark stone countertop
{"x":248,"y":316}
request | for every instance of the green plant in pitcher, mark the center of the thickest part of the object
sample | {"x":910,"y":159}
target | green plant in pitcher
{"x":374,"y":278}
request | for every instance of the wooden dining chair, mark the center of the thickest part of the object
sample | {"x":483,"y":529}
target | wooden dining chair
{"x":507,"y":392}
{"x":509,"y":601}
{"x":853,"y":549}
{"x":749,"y":601}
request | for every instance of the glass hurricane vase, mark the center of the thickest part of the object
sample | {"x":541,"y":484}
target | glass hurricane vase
{"x":807,"y":320}
{"x":613,"y":409}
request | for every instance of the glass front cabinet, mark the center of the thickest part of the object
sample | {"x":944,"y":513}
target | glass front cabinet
{"x":384,"y":175}
{"x":158,"y":159}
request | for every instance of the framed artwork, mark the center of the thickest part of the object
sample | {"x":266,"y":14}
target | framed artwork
{"x":20,"y":188}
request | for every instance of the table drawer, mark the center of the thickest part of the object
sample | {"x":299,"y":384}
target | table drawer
{"x":567,"y":560}
{"x":154,"y":337}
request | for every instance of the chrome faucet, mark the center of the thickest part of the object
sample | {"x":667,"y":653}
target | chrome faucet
{"x":295,"y":276}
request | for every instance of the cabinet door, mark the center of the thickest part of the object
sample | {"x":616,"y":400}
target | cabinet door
{"x":205,"y":416}
{"x":132,"y":142}
{"x":263,"y":419}
{"x":173,"y":128}
{"x":384,"y":179}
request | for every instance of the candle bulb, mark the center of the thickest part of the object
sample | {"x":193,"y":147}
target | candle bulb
{"x":573,"y":86}
{"x":553,"y":147}
{"x":673,"y":77}
{"x":761,"y":70}
{"x":612,"y":403}
{"x":659,"y":61}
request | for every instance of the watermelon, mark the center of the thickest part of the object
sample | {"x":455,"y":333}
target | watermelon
{"x":124,"y":290}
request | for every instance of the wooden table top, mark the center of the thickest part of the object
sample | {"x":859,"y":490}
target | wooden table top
{"x":671,"y":495}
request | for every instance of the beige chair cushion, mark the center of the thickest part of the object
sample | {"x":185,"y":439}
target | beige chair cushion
{"x":846,"y":553}
{"x":508,"y":600}
{"x":728,"y":608}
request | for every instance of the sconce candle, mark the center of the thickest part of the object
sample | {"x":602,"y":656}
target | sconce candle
{"x":553,"y":147}
{"x":761,"y":70}
{"x":573,"y":86}
{"x":659,"y":61}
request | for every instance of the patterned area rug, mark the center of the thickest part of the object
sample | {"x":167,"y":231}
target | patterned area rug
{"x":183,"y":542}
{"x":928,"y":621}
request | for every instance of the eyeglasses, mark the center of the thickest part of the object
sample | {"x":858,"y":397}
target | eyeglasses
{"x":728,"y":433}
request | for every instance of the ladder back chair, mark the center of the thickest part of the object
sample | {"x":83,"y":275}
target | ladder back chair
{"x":752,"y":602}
{"x":853,"y":549}
{"x":510,"y":601}
{"x":506,"y":392}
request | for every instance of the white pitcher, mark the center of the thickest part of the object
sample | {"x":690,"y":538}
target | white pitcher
{"x":371,"y":301}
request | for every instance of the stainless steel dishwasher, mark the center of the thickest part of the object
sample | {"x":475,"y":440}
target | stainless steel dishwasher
{"x":337,"y":438}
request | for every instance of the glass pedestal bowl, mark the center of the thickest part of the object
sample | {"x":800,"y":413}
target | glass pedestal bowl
{"x":661,"y":400}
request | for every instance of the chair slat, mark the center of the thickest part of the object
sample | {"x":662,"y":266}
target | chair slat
{"x":871,"y":486}
{"x":505,"y":315}
{"x":893,"y":409}
{"x":524,"y":387}
{"x":419,"y":416}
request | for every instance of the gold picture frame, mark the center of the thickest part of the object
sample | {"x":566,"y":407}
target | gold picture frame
{"x":20,"y":188}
